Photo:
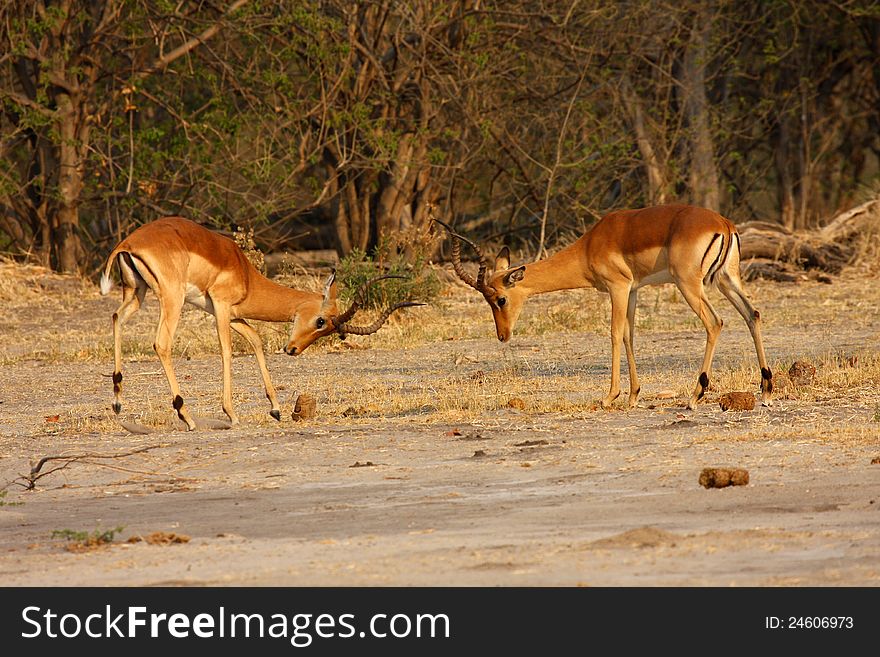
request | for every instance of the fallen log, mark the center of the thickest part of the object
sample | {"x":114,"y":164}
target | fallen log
{"x":829,"y":249}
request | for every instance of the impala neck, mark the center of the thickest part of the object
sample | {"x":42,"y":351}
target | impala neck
{"x":565,"y":270}
{"x":270,"y":301}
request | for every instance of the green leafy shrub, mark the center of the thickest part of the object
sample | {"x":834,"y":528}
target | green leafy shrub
{"x":97,"y":537}
{"x":418,"y":283}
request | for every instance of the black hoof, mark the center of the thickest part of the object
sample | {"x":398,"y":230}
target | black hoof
{"x":117,"y":407}
{"x":276,"y":414}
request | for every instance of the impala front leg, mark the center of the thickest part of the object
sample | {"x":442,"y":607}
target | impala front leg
{"x":225,"y":337}
{"x":634,"y":387}
{"x":247,"y":331}
{"x":619,"y":298}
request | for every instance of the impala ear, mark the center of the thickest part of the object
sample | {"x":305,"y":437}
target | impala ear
{"x":511,"y":278}
{"x":330,"y":288}
{"x":502,"y":260}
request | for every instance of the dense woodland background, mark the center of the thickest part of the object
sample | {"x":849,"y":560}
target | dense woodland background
{"x":335,"y":123}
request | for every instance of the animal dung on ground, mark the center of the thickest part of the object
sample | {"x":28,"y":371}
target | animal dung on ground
{"x":723,"y":477}
{"x":160,"y":538}
{"x":305,"y":408}
{"x":737,"y":401}
{"x":802,"y":373}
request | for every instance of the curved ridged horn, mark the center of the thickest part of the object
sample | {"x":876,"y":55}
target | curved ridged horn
{"x":375,"y":326}
{"x":479,"y":284}
{"x":340,"y":320}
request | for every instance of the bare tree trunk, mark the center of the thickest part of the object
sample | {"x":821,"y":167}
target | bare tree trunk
{"x":705,"y":190}
{"x":784,"y":183}
{"x":70,"y":184}
{"x":657,"y":183}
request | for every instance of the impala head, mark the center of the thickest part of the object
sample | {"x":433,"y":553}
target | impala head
{"x":313,"y":319}
{"x":503,"y":296}
{"x":500,"y":291}
{"x":318,"y":317}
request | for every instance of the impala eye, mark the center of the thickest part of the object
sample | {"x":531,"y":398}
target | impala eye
{"x":501,"y":301}
{"x":320,"y":323}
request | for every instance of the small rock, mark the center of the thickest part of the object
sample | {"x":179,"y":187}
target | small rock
{"x":517,"y":403}
{"x":305,"y":408}
{"x":723,"y":477}
{"x":802,"y":373}
{"x":737,"y":401}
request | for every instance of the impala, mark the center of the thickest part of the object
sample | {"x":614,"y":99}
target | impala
{"x":689,"y":246}
{"x":182,"y":262}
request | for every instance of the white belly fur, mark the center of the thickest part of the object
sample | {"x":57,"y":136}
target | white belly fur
{"x":657,"y":278}
{"x":197,"y":298}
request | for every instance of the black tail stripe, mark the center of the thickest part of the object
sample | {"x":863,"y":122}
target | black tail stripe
{"x":135,"y":266}
{"x":718,"y":261}
{"x":709,"y":248}
{"x":724,"y":260}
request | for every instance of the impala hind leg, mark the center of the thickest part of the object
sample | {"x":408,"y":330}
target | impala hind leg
{"x":695,"y":295}
{"x":248,"y":333}
{"x":731,"y":287}
{"x":133,"y":290}
{"x":169,"y":317}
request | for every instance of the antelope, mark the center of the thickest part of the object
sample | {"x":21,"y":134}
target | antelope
{"x":689,"y":246}
{"x":182,"y":262}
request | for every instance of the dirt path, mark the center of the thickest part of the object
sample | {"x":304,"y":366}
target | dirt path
{"x":418,"y":470}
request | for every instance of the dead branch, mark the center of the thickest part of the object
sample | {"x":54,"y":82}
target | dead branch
{"x":828,"y":249}
{"x":69,"y":459}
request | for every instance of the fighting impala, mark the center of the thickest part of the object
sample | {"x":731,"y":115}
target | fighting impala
{"x":628,"y":249}
{"x":182,"y":262}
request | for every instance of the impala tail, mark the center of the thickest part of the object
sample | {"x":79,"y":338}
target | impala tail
{"x":106,"y":281}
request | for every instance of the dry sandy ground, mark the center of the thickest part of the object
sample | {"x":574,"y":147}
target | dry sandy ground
{"x":418,"y":472}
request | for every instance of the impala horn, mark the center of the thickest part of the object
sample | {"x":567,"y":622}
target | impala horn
{"x":480,"y":283}
{"x":341,"y":321}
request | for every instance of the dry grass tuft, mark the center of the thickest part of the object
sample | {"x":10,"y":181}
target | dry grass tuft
{"x":560,"y":363}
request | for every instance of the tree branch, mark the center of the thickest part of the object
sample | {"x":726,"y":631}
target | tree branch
{"x":186,"y":47}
